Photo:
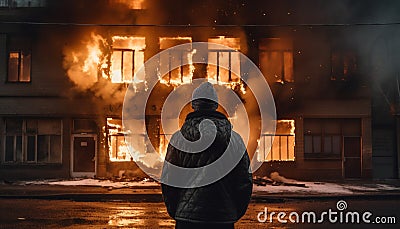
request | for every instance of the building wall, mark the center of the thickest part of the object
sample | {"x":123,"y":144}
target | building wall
{"x":313,"y":94}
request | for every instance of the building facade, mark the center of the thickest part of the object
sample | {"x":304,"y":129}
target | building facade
{"x":63,"y":77}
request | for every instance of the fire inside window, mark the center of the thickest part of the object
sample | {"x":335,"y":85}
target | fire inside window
{"x":344,"y":65}
{"x":118,"y":149}
{"x":182,"y":74}
{"x":276,"y":60}
{"x":118,"y":140}
{"x":19,"y":66}
{"x":228,"y":58}
{"x":282,"y":143}
{"x":131,"y":4}
{"x":127,"y":58}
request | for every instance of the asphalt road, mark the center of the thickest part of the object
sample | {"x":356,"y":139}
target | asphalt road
{"x":18,"y":213}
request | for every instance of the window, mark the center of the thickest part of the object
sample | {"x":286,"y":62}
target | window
{"x":323,"y":138}
{"x":227,"y":60}
{"x":19,"y":66}
{"x":22,"y":3}
{"x":182,"y":74}
{"x":32,"y":141}
{"x":132,"y":4}
{"x":84,"y":126}
{"x":126,"y":59}
{"x":4,"y":3}
{"x":18,"y":58}
{"x":344,"y":65}
{"x":118,"y":139}
{"x":276,"y":60}
{"x":282,"y":143}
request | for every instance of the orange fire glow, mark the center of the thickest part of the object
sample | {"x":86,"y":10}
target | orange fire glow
{"x":230,"y":60}
{"x":126,"y":59}
{"x":181,"y":75}
{"x":131,"y":4}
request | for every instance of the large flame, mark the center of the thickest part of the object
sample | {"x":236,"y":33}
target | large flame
{"x":227,"y":58}
{"x":103,"y":63}
{"x":131,"y":4}
{"x":126,"y":59}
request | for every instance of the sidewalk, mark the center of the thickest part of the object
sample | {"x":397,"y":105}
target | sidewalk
{"x":105,"y":190}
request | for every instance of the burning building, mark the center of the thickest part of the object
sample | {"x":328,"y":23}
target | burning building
{"x":64,"y":78}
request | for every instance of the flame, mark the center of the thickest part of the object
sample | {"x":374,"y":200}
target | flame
{"x":119,"y":58}
{"x":117,"y":148}
{"x":183,"y":74}
{"x":286,"y":126}
{"x":131,"y":4}
{"x":229,"y":60}
{"x":83,"y":66}
{"x":126,"y":59}
{"x":95,"y":55}
{"x":282,"y":143}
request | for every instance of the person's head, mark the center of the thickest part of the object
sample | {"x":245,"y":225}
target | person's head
{"x":205,"y":97}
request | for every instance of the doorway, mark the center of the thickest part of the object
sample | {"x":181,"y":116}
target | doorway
{"x":352,"y":157}
{"x":83,"y":155}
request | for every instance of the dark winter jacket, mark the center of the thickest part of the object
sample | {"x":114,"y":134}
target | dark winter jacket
{"x":224,"y":201}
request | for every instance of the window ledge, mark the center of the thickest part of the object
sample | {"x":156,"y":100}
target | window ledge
{"x":26,"y":164}
{"x":322,"y":156}
{"x":322,"y":159}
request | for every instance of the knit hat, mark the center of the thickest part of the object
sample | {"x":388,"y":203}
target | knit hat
{"x":205,"y":97}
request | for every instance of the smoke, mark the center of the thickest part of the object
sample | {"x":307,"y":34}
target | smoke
{"x":87,"y":66}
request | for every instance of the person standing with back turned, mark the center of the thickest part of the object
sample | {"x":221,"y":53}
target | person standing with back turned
{"x":219,"y":204}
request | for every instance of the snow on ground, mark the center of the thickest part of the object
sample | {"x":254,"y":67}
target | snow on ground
{"x":325,"y":188}
{"x":94,"y":182}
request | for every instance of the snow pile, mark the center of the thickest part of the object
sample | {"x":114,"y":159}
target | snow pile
{"x":277,"y":184}
{"x":96,"y":183}
{"x":311,"y":188}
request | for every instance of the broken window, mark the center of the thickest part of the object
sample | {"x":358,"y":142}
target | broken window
{"x":126,"y":59}
{"x":276,"y":60}
{"x":282,"y":143}
{"x":344,"y":65}
{"x":227,"y":68}
{"x":323,"y":138}
{"x":176,"y":57}
{"x":33,"y":140}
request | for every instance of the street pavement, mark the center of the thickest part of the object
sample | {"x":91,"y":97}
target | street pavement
{"x":34,"y":213}
{"x":27,"y":205}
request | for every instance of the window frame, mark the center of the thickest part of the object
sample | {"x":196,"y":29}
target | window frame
{"x":181,"y":67}
{"x":338,"y":64}
{"x":122,"y":49}
{"x":319,"y":127}
{"x":283,"y":46}
{"x":25,"y":141}
{"x":218,"y":67}
{"x":21,"y":44}
{"x":171,"y":42}
{"x":265,"y":156}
